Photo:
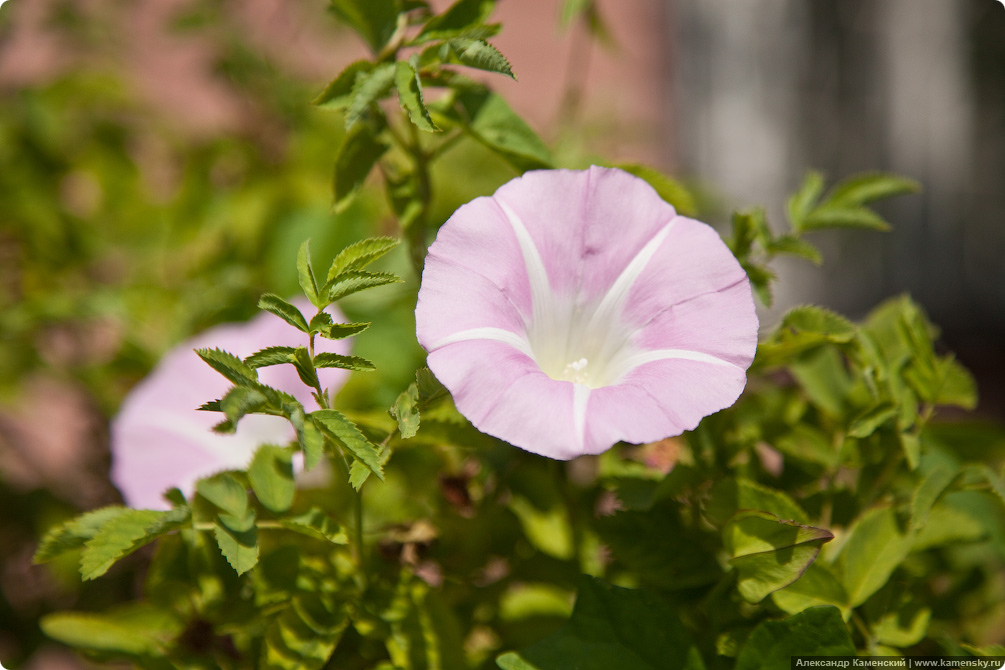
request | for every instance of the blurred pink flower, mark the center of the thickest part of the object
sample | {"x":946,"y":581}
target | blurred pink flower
{"x":575,"y":309}
{"x":161,"y":440}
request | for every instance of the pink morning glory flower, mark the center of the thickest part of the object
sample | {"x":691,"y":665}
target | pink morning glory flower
{"x":575,"y":309}
{"x":159,"y":439}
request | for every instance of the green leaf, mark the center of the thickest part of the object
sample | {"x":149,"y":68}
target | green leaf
{"x":817,"y":586}
{"x":123,"y":534}
{"x":769,"y":554}
{"x":305,"y":273}
{"x":305,"y":367}
{"x":548,"y":530}
{"x":813,"y":319}
{"x":340,"y":331}
{"x":304,"y":635}
{"x":75,"y":533}
{"x":224,"y":491}
{"x":241,"y":400}
{"x":862,"y":189}
{"x":410,"y":97}
{"x":369,"y":89}
{"x":803,"y":201}
{"x":428,"y":385}
{"x":311,"y":441}
{"x":822,"y":375}
{"x":873,"y":549}
{"x":315,"y":523}
{"x":461,"y":15}
{"x":270,"y":356}
{"x":354,"y":281}
{"x":612,"y":627}
{"x":995,"y":481}
{"x":794,"y":246}
{"x":337,"y":94}
{"x":358,"y":363}
{"x":934,"y":483}
{"x":135,"y":630}
{"x":957,"y":386}
{"x":358,"y":255}
{"x":732,"y":495}
{"x":810,"y":444}
{"x":870,"y":420}
{"x":346,"y":433}
{"x":817,"y":631}
{"x":748,"y":227}
{"x":406,"y":412}
{"x":669,"y":189}
{"x":230,"y":366}
{"x":904,"y":627}
{"x":481,"y":55}
{"x":271,"y":477}
{"x":374,"y":20}
{"x":358,"y":153}
{"x":238,"y":541}
{"x":271,"y":302}
{"x":424,"y":631}
{"x":950,"y":523}
{"x":835,"y":216}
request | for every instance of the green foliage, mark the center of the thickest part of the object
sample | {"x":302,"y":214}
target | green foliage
{"x":818,"y":631}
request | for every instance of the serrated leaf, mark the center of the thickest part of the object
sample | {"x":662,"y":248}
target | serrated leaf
{"x":369,"y":89}
{"x":957,"y":386}
{"x":354,"y":281}
{"x":239,"y":547}
{"x":74,"y":533}
{"x":410,"y":97}
{"x":315,"y":523}
{"x":357,"y":363}
{"x":308,"y":436}
{"x":229,"y":365}
{"x":817,"y":631}
{"x":340,"y":331}
{"x":612,"y":627}
{"x":462,"y":15}
{"x":358,"y":474}
{"x":358,"y":255}
{"x":862,"y":189}
{"x":669,"y":189}
{"x":270,"y":356}
{"x":794,"y":246}
{"x":406,"y":412}
{"x":805,"y":199}
{"x":835,"y":216}
{"x":241,"y":400}
{"x":224,"y":491}
{"x":272,"y":303}
{"x":358,"y":153}
{"x":305,"y":367}
{"x":271,"y":475}
{"x":810,"y":318}
{"x":123,"y":534}
{"x":346,"y":433}
{"x":870,"y":420}
{"x":481,"y":55}
{"x":374,"y":20}
{"x":338,"y":93}
{"x":305,"y":274}
{"x":873,"y":549}
{"x":768,"y":553}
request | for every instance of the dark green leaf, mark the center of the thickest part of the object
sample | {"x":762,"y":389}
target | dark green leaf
{"x":461,"y":15}
{"x":769,"y":554}
{"x":346,"y":433}
{"x":337,"y":94}
{"x":428,"y":385}
{"x":369,"y":89}
{"x":934,"y":483}
{"x":354,"y":281}
{"x":481,"y":55}
{"x":374,"y":20}
{"x":358,"y":255}
{"x":309,"y":437}
{"x":325,"y":360}
{"x":315,"y":523}
{"x":862,"y":189}
{"x":230,"y":366}
{"x":669,"y":189}
{"x":305,"y":367}
{"x":125,"y":533}
{"x":817,"y":631}
{"x":340,"y":331}
{"x":271,"y":302}
{"x":410,"y":97}
{"x":612,"y":627}
{"x":305,"y":273}
{"x":270,"y":356}
{"x":748,"y":227}
{"x":241,"y":400}
{"x":358,"y":153}
{"x":271,"y":477}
